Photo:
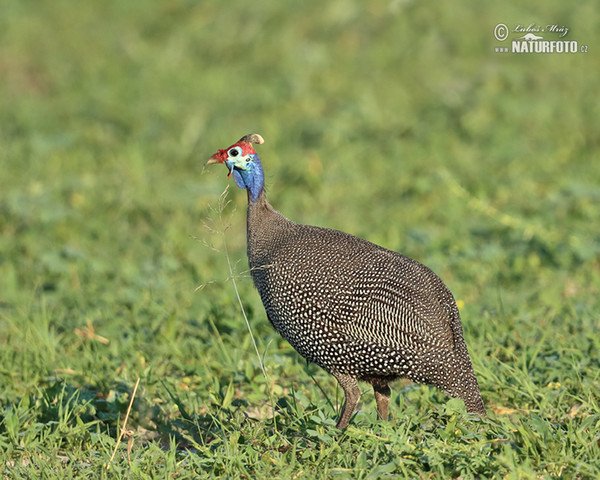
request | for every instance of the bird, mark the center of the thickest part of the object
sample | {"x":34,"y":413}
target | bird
{"x":360,"y":311}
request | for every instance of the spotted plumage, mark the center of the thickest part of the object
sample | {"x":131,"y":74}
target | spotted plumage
{"x":360,"y":311}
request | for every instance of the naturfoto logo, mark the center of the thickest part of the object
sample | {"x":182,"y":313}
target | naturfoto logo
{"x":532,"y":39}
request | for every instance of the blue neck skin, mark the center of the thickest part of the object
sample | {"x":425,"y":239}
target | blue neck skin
{"x":252,"y":179}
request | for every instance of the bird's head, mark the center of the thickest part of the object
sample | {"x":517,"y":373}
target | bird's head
{"x":241,"y":160}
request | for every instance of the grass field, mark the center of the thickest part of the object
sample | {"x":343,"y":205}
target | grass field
{"x":395,"y":121}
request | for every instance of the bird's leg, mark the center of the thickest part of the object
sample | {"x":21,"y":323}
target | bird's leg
{"x":382,"y":397}
{"x":352,"y":394}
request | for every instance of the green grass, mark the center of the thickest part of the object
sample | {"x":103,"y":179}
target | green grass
{"x":394,"y":121}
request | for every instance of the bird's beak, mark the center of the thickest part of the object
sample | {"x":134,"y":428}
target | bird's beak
{"x":214,"y":159}
{"x":218,"y":158}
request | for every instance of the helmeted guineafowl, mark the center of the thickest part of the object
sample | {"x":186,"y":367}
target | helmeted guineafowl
{"x":360,"y":311}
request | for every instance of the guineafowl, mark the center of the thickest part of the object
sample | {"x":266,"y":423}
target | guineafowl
{"x":360,"y":311}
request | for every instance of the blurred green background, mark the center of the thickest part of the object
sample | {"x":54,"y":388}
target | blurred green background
{"x":392,"y":120}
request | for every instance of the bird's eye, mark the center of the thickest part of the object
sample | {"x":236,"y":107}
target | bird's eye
{"x":234,"y":152}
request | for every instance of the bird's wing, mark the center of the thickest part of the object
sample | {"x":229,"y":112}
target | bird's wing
{"x":394,"y":300}
{"x":359,"y":289}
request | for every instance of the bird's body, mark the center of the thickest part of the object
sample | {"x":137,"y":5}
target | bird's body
{"x":360,"y":311}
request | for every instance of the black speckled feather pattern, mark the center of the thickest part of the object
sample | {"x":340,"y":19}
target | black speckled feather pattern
{"x":358,"y":310}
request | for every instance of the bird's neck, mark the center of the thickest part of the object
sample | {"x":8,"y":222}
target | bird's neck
{"x":260,"y":216}
{"x":266,"y":227}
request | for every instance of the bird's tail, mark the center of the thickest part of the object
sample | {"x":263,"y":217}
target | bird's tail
{"x":467,"y":387}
